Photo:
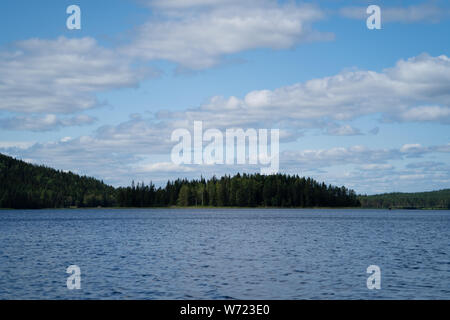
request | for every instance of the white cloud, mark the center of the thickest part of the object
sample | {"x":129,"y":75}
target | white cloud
{"x":64,"y":75}
{"x":415,"y":148}
{"x":373,"y":170}
{"x":138,"y":149}
{"x":65,"y":139}
{"x":344,"y":130}
{"x":414,"y":90}
{"x":375,"y":166}
{"x":399,"y":93}
{"x":428,"y":165}
{"x":44,"y":123}
{"x":369,"y":159}
{"x":426,"y":113}
{"x":185,"y":4}
{"x":411,"y":176}
{"x":15,"y":144}
{"x":199,"y":39}
{"x":163,"y":167}
{"x":322,"y":158}
{"x":61,"y":76}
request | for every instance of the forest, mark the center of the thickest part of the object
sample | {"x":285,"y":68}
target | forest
{"x":28,"y":186}
{"x":420,"y":200}
{"x":246,"y":190}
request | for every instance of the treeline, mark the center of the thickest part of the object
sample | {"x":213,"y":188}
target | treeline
{"x":245,"y":190}
{"x":420,"y":200}
{"x":26,"y":186}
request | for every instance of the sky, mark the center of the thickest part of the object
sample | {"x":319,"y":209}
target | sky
{"x":365,"y":108}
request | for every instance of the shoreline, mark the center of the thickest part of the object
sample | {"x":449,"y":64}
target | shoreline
{"x":229,"y":208}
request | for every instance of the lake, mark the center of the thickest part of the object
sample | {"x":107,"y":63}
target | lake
{"x":224,"y":254}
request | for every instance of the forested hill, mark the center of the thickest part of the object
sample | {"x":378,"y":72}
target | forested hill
{"x":27,"y":186}
{"x":23,"y":185}
{"x":246,"y":190}
{"x":420,"y":200}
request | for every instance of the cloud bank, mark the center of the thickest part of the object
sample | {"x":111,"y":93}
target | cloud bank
{"x":199,"y":39}
{"x":61,"y":76}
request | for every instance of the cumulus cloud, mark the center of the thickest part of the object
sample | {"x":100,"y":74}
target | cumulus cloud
{"x":373,"y":170}
{"x":12,"y":145}
{"x":61,"y":76}
{"x":425,"y":114}
{"x":64,"y":76}
{"x":416,"y":89}
{"x":375,"y":166}
{"x":199,"y":39}
{"x":368,"y":158}
{"x":118,"y":162}
{"x":185,"y":4}
{"x":344,"y":130}
{"x":117,"y":153}
{"x":428,"y":165}
{"x":426,"y":12}
{"x":415,"y":148}
{"x":167,"y":167}
{"x":397,"y":180}
{"x":44,"y":123}
{"x":322,"y":158}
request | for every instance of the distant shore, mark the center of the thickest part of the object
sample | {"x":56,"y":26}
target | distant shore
{"x":225,"y":208}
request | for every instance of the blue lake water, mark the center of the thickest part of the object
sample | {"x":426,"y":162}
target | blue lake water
{"x":224,"y":254}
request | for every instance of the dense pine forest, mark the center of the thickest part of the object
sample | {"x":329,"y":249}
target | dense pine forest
{"x":420,"y":200}
{"x":239,"y":191}
{"x":26,"y":186}
{"x":23,"y":185}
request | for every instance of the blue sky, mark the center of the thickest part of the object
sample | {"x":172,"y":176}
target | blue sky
{"x":368,"y":109}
